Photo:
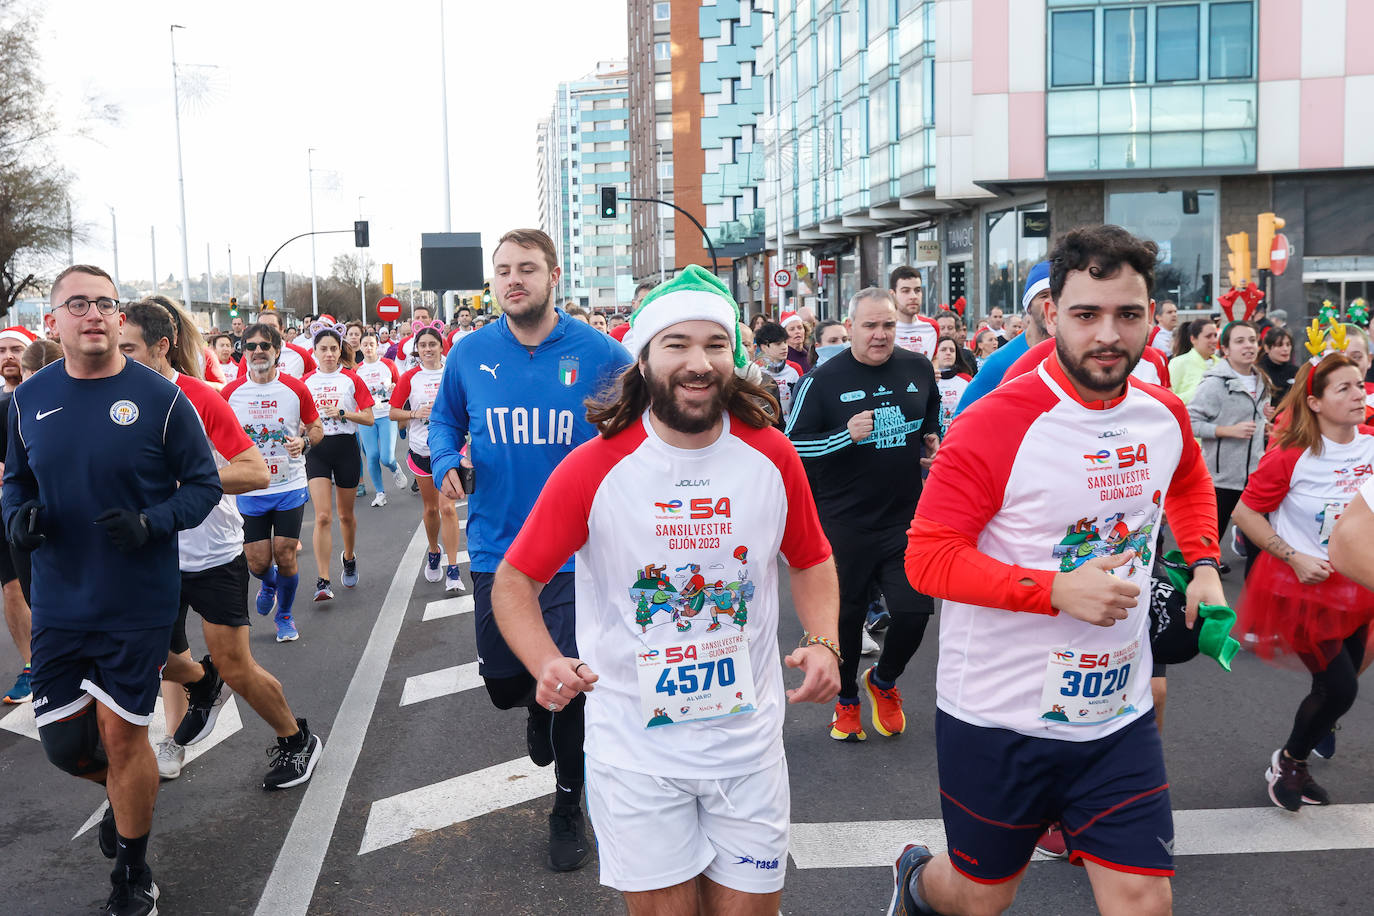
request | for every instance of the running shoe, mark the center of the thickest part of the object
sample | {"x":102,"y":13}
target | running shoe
{"x":453,"y":578}
{"x":267,"y":597}
{"x":170,"y":757}
{"x":350,"y":571}
{"x":1325,"y":749}
{"x":847,"y":723}
{"x":361,"y":491}
{"x":415,"y":486}
{"x":878,"y":617}
{"x":1290,"y":785}
{"x":871,"y":646}
{"x":1051,"y":843}
{"x":132,"y":894}
{"x":379,"y":500}
{"x":322,"y":590}
{"x":568,"y":846}
{"x":399,"y":476}
{"x":22,"y":691}
{"x":107,"y":835}
{"x":888,"y":717}
{"x":286,"y":629}
{"x":432,"y":571}
{"x":1238,"y":543}
{"x":204,"y":700}
{"x":293,"y":762}
{"x":538,"y":739}
{"x":909,"y":861}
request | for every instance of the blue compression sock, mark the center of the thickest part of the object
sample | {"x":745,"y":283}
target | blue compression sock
{"x":286,"y":592}
{"x":269,"y":576}
{"x":880,"y":683}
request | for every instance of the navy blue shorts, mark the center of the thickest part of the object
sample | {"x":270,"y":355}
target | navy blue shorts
{"x":1000,"y":789}
{"x":122,"y":669}
{"x":494,"y":657}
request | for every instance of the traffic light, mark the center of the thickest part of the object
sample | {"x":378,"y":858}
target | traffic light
{"x":1239,"y":259}
{"x":486,"y":293}
{"x":360,"y":233}
{"x":1269,"y":225}
{"x":233,"y":307}
{"x":1207,"y":288}
{"x":610,"y":203}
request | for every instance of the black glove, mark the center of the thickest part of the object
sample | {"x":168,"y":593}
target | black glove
{"x":23,"y":531}
{"x":126,"y":528}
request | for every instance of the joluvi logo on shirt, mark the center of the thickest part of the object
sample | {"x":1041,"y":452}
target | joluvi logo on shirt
{"x":124,"y":412}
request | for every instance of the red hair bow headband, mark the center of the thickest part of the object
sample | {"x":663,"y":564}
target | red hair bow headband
{"x":416,"y":325}
{"x":1251,"y":296}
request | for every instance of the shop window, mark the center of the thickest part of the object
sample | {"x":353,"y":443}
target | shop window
{"x":1123,"y":45}
{"x":1071,"y":57}
{"x":1176,"y":43}
{"x":1229,"y":46}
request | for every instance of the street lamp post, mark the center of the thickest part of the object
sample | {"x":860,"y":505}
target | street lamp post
{"x":114,"y":246}
{"x":181,"y":174}
{"x":310,"y":179}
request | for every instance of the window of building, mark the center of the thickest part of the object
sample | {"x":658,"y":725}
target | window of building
{"x":1188,"y":246}
{"x":662,"y":11}
{"x":662,"y":50}
{"x":663,"y":130}
{"x":1071,"y":55}
{"x":1229,"y":41}
{"x":1010,"y":254}
{"x":1176,"y":43}
{"x":1123,"y":45}
{"x":663,"y":89}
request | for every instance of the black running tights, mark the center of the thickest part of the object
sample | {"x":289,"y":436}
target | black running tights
{"x":566,"y":728}
{"x":1333,"y":693}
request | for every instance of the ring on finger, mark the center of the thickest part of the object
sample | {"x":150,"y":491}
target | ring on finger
{"x":558,"y":688}
{"x":553,"y":707}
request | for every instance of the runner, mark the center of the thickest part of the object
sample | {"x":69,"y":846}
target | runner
{"x":915,"y":332}
{"x":517,"y":388}
{"x":13,"y":341}
{"x":214,"y":580}
{"x":462,"y":328}
{"x":794,"y":326}
{"x":379,"y":439}
{"x":411,"y":403}
{"x":223,"y":345}
{"x":406,"y":357}
{"x":1166,"y":320}
{"x":1296,"y":605}
{"x":859,"y":423}
{"x":333,"y":466}
{"x":773,"y":348}
{"x":952,"y":381}
{"x":292,"y":359}
{"x":1040,"y":556}
{"x":98,"y":437}
{"x":690,"y":796}
{"x":278,"y":413}
{"x":192,"y":351}
{"x":1195,"y":350}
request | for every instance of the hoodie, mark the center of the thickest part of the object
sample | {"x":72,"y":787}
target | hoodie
{"x":1221,"y":399}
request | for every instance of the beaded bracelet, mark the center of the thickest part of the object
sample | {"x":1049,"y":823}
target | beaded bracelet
{"x":824,"y":641}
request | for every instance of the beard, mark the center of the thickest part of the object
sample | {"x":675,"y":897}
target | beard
{"x":533,"y":311}
{"x":10,"y":371}
{"x":1095,"y":379}
{"x":694,"y":418}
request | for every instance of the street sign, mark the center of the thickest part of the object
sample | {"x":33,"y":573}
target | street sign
{"x":825,"y":267}
{"x":782,"y":278}
{"x":1278,"y":255}
{"x":388,"y":308}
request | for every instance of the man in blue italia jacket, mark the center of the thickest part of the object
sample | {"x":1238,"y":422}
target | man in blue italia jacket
{"x":517,"y":387}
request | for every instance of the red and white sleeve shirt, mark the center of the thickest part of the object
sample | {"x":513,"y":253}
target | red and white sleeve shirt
{"x":676,"y":546}
{"x":335,"y":391}
{"x":1304,"y":493}
{"x":219,"y":538}
{"x":418,"y":387}
{"x":270,"y":414}
{"x":380,"y":378}
{"x":920,"y":336}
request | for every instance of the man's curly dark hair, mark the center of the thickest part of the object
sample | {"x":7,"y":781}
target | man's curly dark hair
{"x":1101,"y":251}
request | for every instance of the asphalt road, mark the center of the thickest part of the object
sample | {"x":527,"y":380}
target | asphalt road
{"x":425,"y":803}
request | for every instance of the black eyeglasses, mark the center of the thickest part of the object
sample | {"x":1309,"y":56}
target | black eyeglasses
{"x":256,"y":345}
{"x":80,"y":305}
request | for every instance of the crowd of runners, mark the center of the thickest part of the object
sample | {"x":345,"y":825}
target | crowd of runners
{"x":1061,"y":482}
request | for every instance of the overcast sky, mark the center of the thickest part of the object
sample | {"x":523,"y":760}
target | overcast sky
{"x":357,"y":81}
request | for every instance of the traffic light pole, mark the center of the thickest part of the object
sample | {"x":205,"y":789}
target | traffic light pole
{"x":262,"y":283}
{"x":715,"y":266}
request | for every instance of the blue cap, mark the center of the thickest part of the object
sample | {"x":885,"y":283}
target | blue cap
{"x":1036,"y":280}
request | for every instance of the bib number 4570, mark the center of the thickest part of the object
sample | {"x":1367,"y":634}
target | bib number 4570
{"x":696,"y":678}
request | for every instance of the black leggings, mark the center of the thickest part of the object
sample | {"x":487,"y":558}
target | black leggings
{"x":565,"y":729}
{"x":1226,"y":504}
{"x":1333,"y":693}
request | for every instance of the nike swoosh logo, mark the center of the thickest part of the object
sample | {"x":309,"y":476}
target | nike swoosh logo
{"x":46,"y":413}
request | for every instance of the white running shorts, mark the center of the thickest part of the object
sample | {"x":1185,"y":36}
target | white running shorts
{"x":653,"y":832}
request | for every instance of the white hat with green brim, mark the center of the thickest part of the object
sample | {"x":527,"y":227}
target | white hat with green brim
{"x":695,"y":294}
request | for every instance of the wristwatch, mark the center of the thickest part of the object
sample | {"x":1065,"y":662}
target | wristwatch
{"x":341,"y":414}
{"x":1204,"y":561}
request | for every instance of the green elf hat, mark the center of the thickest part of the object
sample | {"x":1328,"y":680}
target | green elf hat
{"x":695,"y":294}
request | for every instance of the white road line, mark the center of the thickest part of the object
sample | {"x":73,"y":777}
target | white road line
{"x":433,"y":807}
{"x":297,"y":869}
{"x":1200,"y":832}
{"x":440,"y":683}
{"x":448,"y":607}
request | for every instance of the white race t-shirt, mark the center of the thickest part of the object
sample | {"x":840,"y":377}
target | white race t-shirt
{"x":334,"y":390}
{"x":1304,"y":494}
{"x":270,"y":414}
{"x":677,"y":546}
{"x":379,"y":377}
{"x":418,"y":387}
{"x":919,"y":337}
{"x":219,"y":538}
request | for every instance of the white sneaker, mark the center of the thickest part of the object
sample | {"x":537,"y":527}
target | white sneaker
{"x":871,"y":646}
{"x":399,"y":476}
{"x":379,"y":500}
{"x":170,"y":757}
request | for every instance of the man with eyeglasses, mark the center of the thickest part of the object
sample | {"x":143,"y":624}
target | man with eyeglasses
{"x":292,"y":360}
{"x":106,"y":462}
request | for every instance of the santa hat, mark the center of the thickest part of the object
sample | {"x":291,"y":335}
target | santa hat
{"x":1038,"y":279}
{"x":15,"y":332}
{"x":695,"y":294}
{"x":787,"y":318}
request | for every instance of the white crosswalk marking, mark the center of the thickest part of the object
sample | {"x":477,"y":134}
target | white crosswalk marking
{"x":448,"y":607}
{"x":440,"y":683}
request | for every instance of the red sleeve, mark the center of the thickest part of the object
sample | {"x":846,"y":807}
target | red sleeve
{"x":803,"y":542}
{"x":395,"y":376}
{"x":1027,"y":361}
{"x":308,"y":373}
{"x":798,"y":369}
{"x":230,"y":388}
{"x":1191,"y":500}
{"x":1269,"y":484}
{"x":1161,"y":365}
{"x":945,"y":562}
{"x":243,"y":366}
{"x":222,"y":426}
{"x":308,"y":412}
{"x":305,"y":358}
{"x":361,"y":395}
{"x":401,"y":393}
{"x":557,"y":525}
{"x":213,"y":373}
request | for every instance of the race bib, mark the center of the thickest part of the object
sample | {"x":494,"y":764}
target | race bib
{"x":1328,"y":517}
{"x":697,"y":680}
{"x":1089,"y":687}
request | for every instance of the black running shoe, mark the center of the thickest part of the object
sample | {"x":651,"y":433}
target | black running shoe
{"x":133,"y":894}
{"x":909,"y":861}
{"x":537,"y":738}
{"x":1290,"y":784}
{"x":205,"y":698}
{"x":568,"y":846}
{"x":293,"y":762}
{"x":109,"y":839}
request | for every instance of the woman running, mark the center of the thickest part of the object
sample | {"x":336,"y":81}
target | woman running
{"x":1195,"y":348}
{"x":379,"y":439}
{"x":1295,"y":604}
{"x":411,"y":401}
{"x":334,"y":467}
{"x":950,"y":378}
{"x":1276,"y":362}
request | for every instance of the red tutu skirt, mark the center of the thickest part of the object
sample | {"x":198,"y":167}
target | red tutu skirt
{"x":1284,"y":621}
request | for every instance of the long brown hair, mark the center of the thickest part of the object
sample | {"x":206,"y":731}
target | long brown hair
{"x":188,"y":345}
{"x":1302,"y":429}
{"x":620,"y":406}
